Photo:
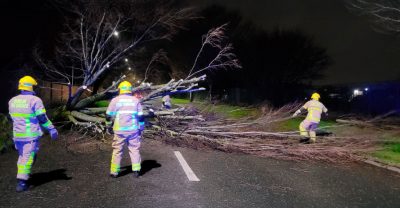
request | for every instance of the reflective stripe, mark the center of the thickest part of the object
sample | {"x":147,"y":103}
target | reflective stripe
{"x":136,"y":166}
{"x":115,"y":168}
{"x":28,"y":125}
{"x":111,"y":113}
{"x":47,"y":124}
{"x":120,"y":104}
{"x":22,"y":115}
{"x":127,"y":128}
{"x":140,"y":113}
{"x":127,"y":112}
{"x":141,"y":123}
{"x":27,"y":134}
{"x":23,"y":169}
{"x":108,"y":123}
{"x":40,"y":111}
{"x":30,"y":161}
{"x":126,"y":88}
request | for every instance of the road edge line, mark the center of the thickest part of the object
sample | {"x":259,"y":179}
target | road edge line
{"x":186,"y":168}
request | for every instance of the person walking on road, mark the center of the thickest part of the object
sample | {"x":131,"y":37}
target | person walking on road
{"x":310,"y":124}
{"x":124,"y":117}
{"x":28,"y":114}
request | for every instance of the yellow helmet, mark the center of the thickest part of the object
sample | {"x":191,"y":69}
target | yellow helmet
{"x":125,"y":87}
{"x":315,"y":96}
{"x":27,"y":83}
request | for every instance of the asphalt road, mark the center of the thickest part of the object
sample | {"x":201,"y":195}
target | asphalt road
{"x":63,"y":179}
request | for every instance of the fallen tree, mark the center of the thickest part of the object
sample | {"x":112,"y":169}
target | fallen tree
{"x":101,"y":35}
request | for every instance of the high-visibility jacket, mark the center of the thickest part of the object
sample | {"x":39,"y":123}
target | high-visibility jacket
{"x":125,"y":110}
{"x":315,"y":109}
{"x":28,"y":114}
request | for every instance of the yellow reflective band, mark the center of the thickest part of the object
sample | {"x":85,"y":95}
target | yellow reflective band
{"x":40,"y":111}
{"x":47,"y":124}
{"x":136,"y":166}
{"x":24,"y":169}
{"x":23,"y":115}
{"x":115,"y":168}
{"x":30,"y":134}
{"x":28,"y":125}
{"x":30,"y":161}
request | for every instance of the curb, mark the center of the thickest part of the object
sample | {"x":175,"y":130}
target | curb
{"x":381,"y":165}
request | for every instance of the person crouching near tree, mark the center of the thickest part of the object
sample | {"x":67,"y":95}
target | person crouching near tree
{"x":308,"y":126}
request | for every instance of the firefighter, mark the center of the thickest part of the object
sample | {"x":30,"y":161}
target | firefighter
{"x":310,"y":123}
{"x":28,"y":114}
{"x":124,"y":119}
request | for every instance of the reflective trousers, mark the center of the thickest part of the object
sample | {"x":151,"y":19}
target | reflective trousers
{"x":27,"y":151}
{"x":133,"y":143}
{"x":307,"y":129}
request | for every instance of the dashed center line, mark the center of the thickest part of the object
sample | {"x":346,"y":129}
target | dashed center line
{"x":189,"y":172}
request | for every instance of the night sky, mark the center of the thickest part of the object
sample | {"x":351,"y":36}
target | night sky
{"x":359,"y":53}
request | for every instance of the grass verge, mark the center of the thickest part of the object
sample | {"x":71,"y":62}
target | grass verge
{"x":390,"y":150}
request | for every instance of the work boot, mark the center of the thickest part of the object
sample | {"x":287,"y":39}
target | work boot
{"x":136,"y":174}
{"x":305,"y":140}
{"x":22,"y":185}
{"x":114,"y":175}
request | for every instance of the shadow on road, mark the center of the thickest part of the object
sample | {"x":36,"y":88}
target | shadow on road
{"x":38,"y":179}
{"x":147,"y":165}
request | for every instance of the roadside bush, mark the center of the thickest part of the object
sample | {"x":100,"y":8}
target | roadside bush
{"x":5,"y":133}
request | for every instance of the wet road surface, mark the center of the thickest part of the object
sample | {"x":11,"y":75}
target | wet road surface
{"x":63,"y":179}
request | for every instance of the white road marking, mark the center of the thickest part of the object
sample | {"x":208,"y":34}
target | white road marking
{"x":189,"y":172}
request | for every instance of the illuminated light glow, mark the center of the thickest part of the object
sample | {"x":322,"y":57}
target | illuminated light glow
{"x":366,"y":89}
{"x":126,"y":60}
{"x":357,"y":92}
{"x":116,"y":33}
{"x":129,"y":68}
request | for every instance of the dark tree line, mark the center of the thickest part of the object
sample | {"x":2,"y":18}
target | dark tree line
{"x":277,"y":65}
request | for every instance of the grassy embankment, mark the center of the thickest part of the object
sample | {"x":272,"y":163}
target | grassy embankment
{"x":389,"y":152}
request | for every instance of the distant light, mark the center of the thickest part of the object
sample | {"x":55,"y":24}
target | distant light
{"x":138,"y":81}
{"x":366,"y":89}
{"x":116,"y":33}
{"x":129,"y":68}
{"x":357,"y":92}
{"x":126,"y":60}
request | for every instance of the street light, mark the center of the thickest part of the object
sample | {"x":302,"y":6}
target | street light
{"x":126,"y":60}
{"x":116,"y":33}
{"x":129,"y":68}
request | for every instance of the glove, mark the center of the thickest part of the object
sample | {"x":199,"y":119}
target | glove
{"x":296,"y":113}
{"x":109,"y":130}
{"x":151,"y":112}
{"x":53,"y":134}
